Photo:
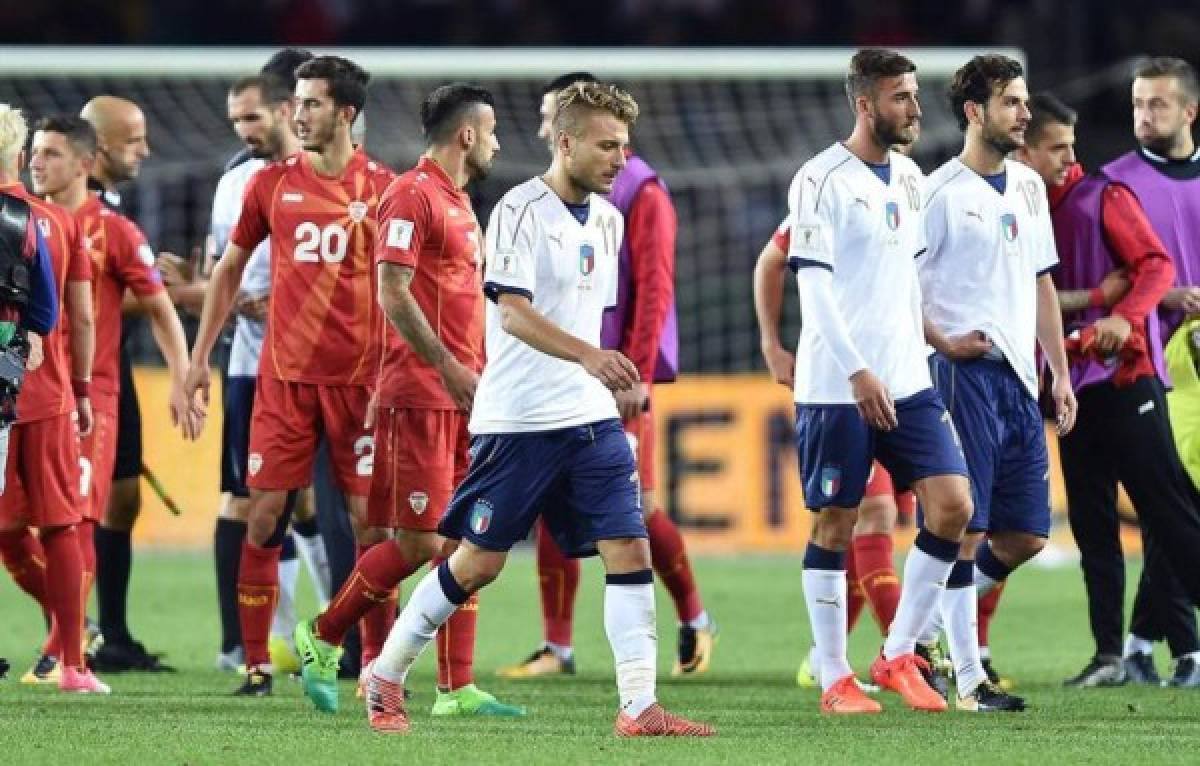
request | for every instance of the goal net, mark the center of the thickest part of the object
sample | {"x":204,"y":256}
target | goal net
{"x":726,"y":129}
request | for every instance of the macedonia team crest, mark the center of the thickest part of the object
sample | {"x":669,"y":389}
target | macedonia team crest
{"x":481,"y":517}
{"x":891,"y":213}
{"x":254,"y":463}
{"x":587,"y":259}
{"x":357,"y":210}
{"x":1008,"y":225}
{"x":418,"y":501}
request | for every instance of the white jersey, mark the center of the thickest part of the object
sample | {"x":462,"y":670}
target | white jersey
{"x":536,"y":247}
{"x":985,"y":253}
{"x":256,"y":280}
{"x":846,"y":219}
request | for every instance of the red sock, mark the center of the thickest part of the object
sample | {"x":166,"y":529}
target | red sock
{"x":877,"y":573}
{"x":64,"y":590}
{"x":855,"y":598}
{"x":456,"y":644}
{"x":86,"y":531}
{"x":374,"y":579}
{"x":376,"y":622}
{"x":670,"y":560}
{"x":558,"y":577}
{"x":25,"y":560}
{"x":258,"y":592}
{"x":987,"y":610}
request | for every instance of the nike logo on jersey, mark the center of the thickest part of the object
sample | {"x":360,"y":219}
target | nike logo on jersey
{"x":292,"y":197}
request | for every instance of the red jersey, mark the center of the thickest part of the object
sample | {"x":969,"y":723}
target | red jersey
{"x":46,"y":392}
{"x":427,"y":224}
{"x":120,"y":260}
{"x":323,"y":323}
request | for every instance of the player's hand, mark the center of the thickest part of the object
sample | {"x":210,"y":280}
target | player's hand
{"x":611,"y":368}
{"x":36,"y":353}
{"x":782,"y":364}
{"x":197,"y":379}
{"x":185,"y":413}
{"x":964,"y":348}
{"x":175,"y":270}
{"x":632,"y":403}
{"x":372,"y":405}
{"x":1111,"y":334}
{"x":1114,"y":286}
{"x":1065,"y":406}
{"x":460,"y":381}
{"x":1191,"y":300}
{"x":83,"y":416}
{"x":874,"y":401}
{"x":252,"y":307}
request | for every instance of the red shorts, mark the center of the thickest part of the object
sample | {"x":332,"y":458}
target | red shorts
{"x":42,"y":475}
{"x":421,"y":456}
{"x":97,"y":457}
{"x":879,"y":484}
{"x":287,"y":421}
{"x":640,"y":432}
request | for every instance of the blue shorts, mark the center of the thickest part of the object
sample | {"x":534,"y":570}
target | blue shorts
{"x":235,"y":433}
{"x":582,"y":480}
{"x":836,"y":448}
{"x":1004,"y":441}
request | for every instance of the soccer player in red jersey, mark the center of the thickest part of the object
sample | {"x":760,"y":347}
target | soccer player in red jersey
{"x":63,"y":151}
{"x":42,"y":475}
{"x":642,"y":327}
{"x":428,"y":261}
{"x":320,"y":355}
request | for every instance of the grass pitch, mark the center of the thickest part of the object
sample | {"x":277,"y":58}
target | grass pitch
{"x":1039,"y":637}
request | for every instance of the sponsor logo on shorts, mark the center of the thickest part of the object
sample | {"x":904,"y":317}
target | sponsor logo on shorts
{"x":254,"y":463}
{"x":481,"y":516}
{"x":831,"y":480}
{"x":418,"y":501}
{"x":357,"y":210}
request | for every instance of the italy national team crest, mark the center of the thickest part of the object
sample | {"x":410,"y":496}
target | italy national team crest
{"x":831,"y":480}
{"x":1008,"y":226}
{"x":891,"y":212}
{"x":418,"y":501}
{"x":357,"y":210}
{"x":481,"y":516}
{"x":587,"y":264}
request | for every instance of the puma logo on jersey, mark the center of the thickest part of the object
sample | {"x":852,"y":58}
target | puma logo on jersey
{"x":863,"y":202}
{"x":292,"y":197}
{"x":975,"y":214}
{"x":834,"y":602}
{"x":555,"y":239}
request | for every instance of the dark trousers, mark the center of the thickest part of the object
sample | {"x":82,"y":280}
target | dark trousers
{"x":333,"y":522}
{"x":1123,"y":435}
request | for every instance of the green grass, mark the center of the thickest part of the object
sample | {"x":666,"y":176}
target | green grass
{"x":1040,"y":637}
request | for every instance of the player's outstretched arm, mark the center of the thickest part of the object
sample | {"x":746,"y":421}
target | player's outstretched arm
{"x":404,"y":314}
{"x":168,"y":335}
{"x":218,"y":300}
{"x":82,"y":339}
{"x":770,"y":272}
{"x":525,"y":323}
{"x":1050,"y":338}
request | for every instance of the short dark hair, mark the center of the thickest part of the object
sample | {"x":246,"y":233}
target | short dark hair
{"x":1045,"y":108}
{"x":273,"y":90}
{"x":1169,"y":66}
{"x":78,"y":131}
{"x":978,"y":79}
{"x":870,"y":65}
{"x":444,"y":109}
{"x":347,"y":80}
{"x":563,"y":80}
{"x":283,"y":65}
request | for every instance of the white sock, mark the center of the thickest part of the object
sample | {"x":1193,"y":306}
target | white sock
{"x":426,"y":610}
{"x":1135,"y":644}
{"x":629,"y":623}
{"x":701,"y":622}
{"x":311,"y":550}
{"x":985,"y":653}
{"x":923,"y":583}
{"x":564,"y":653}
{"x":283,"y":622}
{"x":825,"y":598}
{"x":959,"y":607}
{"x":933,"y":628}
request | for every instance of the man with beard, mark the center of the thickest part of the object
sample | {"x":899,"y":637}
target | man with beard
{"x":427,"y":258}
{"x":321,"y":345}
{"x":988,"y":299}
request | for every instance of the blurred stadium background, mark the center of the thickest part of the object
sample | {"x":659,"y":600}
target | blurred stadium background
{"x":725,"y":126}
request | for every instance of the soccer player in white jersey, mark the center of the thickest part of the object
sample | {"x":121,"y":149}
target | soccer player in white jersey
{"x":547,"y":439}
{"x":988,"y":299}
{"x":863,"y":390}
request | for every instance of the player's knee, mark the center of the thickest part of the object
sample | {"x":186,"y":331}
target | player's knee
{"x":124,"y":504}
{"x":948,"y":516}
{"x":876,"y":516}
{"x":834,"y":527}
{"x":1015,"y":549}
{"x":474,"y":568}
{"x":419,"y":547}
{"x":628,"y":554}
{"x":369,"y":535}
{"x":235,"y":508}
